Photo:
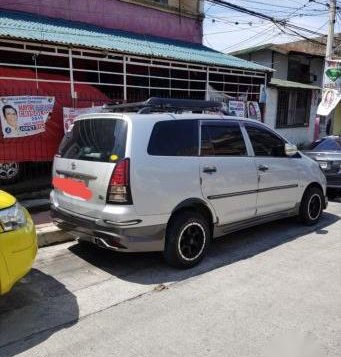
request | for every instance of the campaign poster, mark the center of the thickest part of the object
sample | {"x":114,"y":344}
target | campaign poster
{"x":24,"y":115}
{"x":237,"y":108}
{"x":70,"y":114}
{"x":253,"y":111}
{"x":330,"y":99}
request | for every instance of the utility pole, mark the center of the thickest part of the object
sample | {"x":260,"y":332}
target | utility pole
{"x":330,"y":39}
{"x":321,"y":119}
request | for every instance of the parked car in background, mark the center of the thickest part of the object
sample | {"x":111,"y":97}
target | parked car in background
{"x":18,"y":242}
{"x":168,"y":182}
{"x":327,"y":152}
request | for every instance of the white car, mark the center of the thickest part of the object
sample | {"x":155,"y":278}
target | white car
{"x":153,"y":180}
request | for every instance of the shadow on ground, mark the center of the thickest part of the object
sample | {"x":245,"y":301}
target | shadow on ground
{"x":35,"y":309}
{"x":150,"y":268}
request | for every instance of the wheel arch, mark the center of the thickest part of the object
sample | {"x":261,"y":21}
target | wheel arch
{"x":319,"y":186}
{"x":197,"y":205}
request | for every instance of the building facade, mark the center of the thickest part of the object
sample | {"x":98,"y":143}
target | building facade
{"x":173,"y":19}
{"x":294,"y":92}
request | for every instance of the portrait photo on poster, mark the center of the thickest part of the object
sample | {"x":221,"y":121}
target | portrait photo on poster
{"x":253,"y":111}
{"x":24,"y":115}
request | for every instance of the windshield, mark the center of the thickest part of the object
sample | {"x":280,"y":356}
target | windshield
{"x":326,"y":144}
{"x":95,"y":139}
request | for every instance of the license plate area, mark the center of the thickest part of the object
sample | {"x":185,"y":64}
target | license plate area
{"x":73,"y":187}
{"x":75,"y":179}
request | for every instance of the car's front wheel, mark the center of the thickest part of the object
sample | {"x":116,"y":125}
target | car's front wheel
{"x":311,"y":206}
{"x":187,"y":238}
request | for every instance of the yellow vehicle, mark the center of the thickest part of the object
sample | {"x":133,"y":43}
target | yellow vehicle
{"x":18,"y":242}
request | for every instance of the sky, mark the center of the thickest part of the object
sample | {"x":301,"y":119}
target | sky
{"x":227,"y":30}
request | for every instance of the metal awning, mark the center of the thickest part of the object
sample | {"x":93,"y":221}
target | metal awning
{"x":289,"y":84}
{"x":19,"y":25}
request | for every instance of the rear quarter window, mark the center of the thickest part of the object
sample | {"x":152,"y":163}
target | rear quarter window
{"x":95,"y":140}
{"x":174,"y":138}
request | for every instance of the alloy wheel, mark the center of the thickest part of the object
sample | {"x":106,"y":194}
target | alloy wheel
{"x":192,"y":241}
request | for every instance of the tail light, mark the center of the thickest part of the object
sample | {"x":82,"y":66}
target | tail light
{"x":119,"y":185}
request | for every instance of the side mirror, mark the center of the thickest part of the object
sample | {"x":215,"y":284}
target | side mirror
{"x":290,"y":149}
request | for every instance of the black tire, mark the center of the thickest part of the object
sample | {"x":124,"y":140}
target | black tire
{"x":311,"y":206}
{"x":188,"y":237}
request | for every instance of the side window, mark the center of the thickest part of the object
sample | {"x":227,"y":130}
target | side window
{"x":264,"y":142}
{"x":222,"y":140}
{"x":174,"y":138}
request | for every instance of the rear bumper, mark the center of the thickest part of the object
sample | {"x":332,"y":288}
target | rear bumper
{"x":118,"y":237}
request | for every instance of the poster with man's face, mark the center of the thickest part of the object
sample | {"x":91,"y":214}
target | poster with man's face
{"x":25,"y":115}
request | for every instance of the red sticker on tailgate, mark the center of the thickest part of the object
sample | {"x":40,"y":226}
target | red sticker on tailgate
{"x":72,"y":187}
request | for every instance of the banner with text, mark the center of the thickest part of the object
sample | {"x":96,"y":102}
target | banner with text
{"x":237,"y":108}
{"x":70,"y":114}
{"x":25,"y":115}
{"x":331,"y":87}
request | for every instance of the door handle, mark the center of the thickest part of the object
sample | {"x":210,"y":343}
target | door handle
{"x":263,"y":168}
{"x":209,"y":169}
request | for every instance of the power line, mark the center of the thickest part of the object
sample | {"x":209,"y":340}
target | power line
{"x":267,"y":30}
{"x":280,"y":23}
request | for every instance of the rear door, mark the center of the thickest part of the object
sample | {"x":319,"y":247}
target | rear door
{"x":278,"y":174}
{"x":228,"y":173}
{"x":86,"y":159}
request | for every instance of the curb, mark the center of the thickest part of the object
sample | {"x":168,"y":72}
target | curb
{"x":49,"y":234}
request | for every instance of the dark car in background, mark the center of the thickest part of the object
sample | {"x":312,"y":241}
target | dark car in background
{"x":327,"y":152}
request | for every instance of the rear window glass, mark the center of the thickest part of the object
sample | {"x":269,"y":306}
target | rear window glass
{"x":174,"y":138}
{"x":101,"y":140}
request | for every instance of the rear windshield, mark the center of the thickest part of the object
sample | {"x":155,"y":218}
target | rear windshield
{"x":101,"y":140}
{"x":326,"y":144}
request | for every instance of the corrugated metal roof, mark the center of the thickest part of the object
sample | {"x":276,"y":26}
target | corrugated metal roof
{"x":247,"y":50}
{"x":289,"y":84}
{"x":26,"y":26}
{"x":315,"y":46}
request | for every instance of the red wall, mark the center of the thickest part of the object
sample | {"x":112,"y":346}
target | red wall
{"x":43,"y":146}
{"x":114,"y":14}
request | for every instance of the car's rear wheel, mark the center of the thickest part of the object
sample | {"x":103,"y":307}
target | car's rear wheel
{"x":311,"y":206}
{"x":187,"y":238}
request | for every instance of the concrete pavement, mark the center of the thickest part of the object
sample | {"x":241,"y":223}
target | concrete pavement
{"x":259,"y":292}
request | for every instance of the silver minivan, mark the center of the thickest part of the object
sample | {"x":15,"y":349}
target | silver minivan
{"x":154,"y":179}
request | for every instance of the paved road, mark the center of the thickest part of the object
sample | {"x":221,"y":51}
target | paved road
{"x":260,"y":292}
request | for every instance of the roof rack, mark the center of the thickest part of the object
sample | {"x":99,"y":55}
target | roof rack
{"x":155,"y":104}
